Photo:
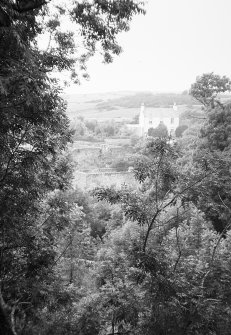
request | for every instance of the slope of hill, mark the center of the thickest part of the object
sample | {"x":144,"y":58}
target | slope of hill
{"x":120,"y":105}
{"x":150,"y":100}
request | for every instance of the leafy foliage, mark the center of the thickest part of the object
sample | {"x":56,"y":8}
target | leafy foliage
{"x":160,"y":131}
{"x":169,"y":264}
{"x":163,"y":268}
{"x":36,"y":215}
{"x":208,"y":86}
{"x":180,"y":130}
{"x":211,"y":155}
{"x":149,"y":261}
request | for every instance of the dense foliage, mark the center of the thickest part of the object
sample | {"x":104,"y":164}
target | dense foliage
{"x":208,"y":86}
{"x":167,"y":266}
{"x":160,"y":131}
{"x":148,"y":260}
{"x":151,"y":100}
{"x":35,"y":212}
{"x":92,"y":130}
{"x":180,"y":130}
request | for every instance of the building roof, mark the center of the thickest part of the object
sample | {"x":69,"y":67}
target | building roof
{"x":160,"y":112}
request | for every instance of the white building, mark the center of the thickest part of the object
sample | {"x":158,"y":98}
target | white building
{"x":151,"y":117}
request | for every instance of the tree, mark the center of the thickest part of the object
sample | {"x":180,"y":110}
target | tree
{"x":211,"y":154}
{"x":185,"y":92}
{"x":208,"y":86}
{"x":160,"y":131}
{"x":211,"y":151}
{"x":34,"y":132}
{"x":180,"y":130}
{"x":166,"y":270}
{"x":161,"y":271}
{"x":135,"y":119}
{"x":122,"y":164}
{"x":98,"y":23}
{"x":160,"y":176}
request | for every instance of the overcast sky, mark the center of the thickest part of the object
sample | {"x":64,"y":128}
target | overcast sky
{"x":167,"y":48}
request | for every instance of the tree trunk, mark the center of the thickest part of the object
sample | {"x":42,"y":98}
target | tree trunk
{"x":5,"y":325}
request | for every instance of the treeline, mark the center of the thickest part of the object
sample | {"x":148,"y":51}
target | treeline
{"x":150,"y":99}
{"x":92,"y":130}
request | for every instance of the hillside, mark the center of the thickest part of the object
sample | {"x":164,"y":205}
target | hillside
{"x":120,"y":105}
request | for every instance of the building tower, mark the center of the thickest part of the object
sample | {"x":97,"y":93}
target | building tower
{"x":174,"y":107}
{"x":141,"y":119}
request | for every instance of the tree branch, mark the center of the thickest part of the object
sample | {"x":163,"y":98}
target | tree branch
{"x":13,"y":154}
{"x":168,"y":204}
{"x":178,"y":245}
{"x":62,"y":253}
{"x":150,"y":228}
{"x":213,"y":256}
{"x":5,"y":20}
{"x":5,"y":326}
{"x":25,"y":6}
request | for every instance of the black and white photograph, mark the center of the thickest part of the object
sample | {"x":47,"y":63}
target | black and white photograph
{"x":115,"y":167}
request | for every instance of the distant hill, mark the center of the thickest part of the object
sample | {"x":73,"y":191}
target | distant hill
{"x":149,"y":99}
{"x":120,"y":105}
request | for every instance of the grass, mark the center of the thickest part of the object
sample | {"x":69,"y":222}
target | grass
{"x":120,"y":106}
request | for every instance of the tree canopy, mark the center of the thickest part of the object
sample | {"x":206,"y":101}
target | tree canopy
{"x":154,"y":259}
{"x":35,"y":170}
{"x":208,"y":86}
{"x":161,"y":271}
{"x":160,"y":131}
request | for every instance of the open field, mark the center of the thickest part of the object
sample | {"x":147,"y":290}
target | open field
{"x":119,"y":106}
{"x":86,"y":104}
{"x":120,"y":114}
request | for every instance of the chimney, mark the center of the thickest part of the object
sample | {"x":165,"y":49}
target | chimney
{"x":174,"y":107}
{"x":142,"y":107}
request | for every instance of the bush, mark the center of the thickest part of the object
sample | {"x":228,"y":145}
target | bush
{"x":121,"y":165}
{"x":160,"y":131}
{"x":180,"y":129}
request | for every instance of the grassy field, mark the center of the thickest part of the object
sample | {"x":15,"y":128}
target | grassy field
{"x":123,"y":105}
{"x":119,"y":114}
{"x":120,"y":106}
{"x":86,"y":105}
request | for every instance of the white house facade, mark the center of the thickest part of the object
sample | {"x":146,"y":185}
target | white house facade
{"x":151,"y":117}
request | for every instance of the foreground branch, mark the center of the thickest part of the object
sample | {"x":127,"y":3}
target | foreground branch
{"x":25,"y":6}
{"x":5,"y":324}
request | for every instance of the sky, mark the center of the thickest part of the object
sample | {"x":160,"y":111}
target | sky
{"x":166,"y":49}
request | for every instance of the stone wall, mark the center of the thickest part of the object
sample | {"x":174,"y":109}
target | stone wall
{"x":97,"y":156}
{"x":117,"y":141}
{"x":92,"y":161}
{"x":89,"y":180}
{"x":87,"y":152}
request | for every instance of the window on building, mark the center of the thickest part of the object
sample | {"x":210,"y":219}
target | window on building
{"x":150,"y":122}
{"x":172,"y":120}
